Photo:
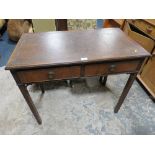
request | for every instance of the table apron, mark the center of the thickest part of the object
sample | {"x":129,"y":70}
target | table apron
{"x":77,"y":71}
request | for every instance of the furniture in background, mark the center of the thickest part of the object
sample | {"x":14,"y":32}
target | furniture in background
{"x":16,"y":27}
{"x":143,"y":31}
{"x":43,"y":25}
{"x":46,"y":25}
{"x":61,"y":24}
{"x":114,"y":23}
{"x":68,"y":55}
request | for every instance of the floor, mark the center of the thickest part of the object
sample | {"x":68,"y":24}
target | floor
{"x":87,"y":108}
{"x":6,"y":49}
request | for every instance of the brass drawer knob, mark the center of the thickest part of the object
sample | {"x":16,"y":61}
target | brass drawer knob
{"x":51,"y":75}
{"x":149,"y":29}
{"x":112,"y":68}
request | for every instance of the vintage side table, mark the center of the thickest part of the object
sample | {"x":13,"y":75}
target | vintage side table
{"x":48,"y":56}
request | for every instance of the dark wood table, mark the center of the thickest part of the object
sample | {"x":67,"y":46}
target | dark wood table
{"x":60,"y":55}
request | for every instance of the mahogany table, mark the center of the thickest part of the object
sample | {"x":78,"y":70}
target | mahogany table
{"x":48,"y":56}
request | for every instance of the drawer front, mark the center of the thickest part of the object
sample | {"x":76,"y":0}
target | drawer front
{"x":144,"y":41}
{"x":111,"y":68}
{"x":144,"y":26}
{"x":148,"y":74}
{"x":40,"y":75}
{"x":153,"y":53}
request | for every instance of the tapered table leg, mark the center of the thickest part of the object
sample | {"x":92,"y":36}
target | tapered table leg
{"x":69,"y":83}
{"x":103,"y":81}
{"x":30,"y":103}
{"x":125,"y":91}
{"x":100,"y":79}
{"x":42,"y":87}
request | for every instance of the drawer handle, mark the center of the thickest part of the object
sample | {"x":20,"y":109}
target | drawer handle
{"x":149,"y":29}
{"x":112,"y":68}
{"x":51,"y":75}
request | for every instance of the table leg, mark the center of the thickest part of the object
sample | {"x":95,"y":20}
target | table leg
{"x":125,"y":91}
{"x":103,"y":81}
{"x":69,"y":83}
{"x":100,"y":79}
{"x":30,"y":103}
{"x":42,"y":87}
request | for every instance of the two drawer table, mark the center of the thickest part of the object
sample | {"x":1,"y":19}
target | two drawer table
{"x":48,"y":56}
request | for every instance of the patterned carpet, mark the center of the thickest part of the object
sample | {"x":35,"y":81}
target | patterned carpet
{"x":87,"y":108}
{"x":81,"y":24}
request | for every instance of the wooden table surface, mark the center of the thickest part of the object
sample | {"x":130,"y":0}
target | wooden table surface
{"x":56,"y":48}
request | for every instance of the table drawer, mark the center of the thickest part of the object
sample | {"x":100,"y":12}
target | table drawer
{"x":111,"y":68}
{"x":144,"y":26}
{"x":56,"y":73}
{"x":144,"y":41}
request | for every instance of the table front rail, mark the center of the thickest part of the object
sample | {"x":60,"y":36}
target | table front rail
{"x":77,"y":71}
